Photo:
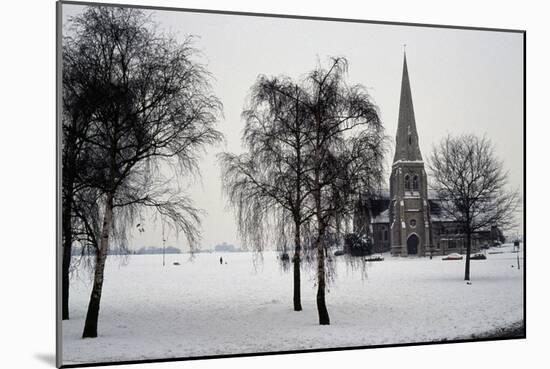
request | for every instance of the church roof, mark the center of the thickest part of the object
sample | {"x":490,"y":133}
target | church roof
{"x":406,"y":140}
{"x":383,"y":217}
{"x":379,"y":204}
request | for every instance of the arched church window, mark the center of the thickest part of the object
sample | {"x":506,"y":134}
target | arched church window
{"x":407,"y":182}
{"x":415,"y":182}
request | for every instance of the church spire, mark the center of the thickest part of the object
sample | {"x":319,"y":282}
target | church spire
{"x":406,"y":140}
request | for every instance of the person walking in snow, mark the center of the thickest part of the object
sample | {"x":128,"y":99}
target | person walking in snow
{"x":221,"y":260}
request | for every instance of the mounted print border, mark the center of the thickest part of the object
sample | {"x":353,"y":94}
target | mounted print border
{"x":236,"y":184}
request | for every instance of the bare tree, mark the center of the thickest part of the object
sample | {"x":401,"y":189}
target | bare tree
{"x":347,"y":149}
{"x":266,"y":184}
{"x":77,"y":216}
{"x":152,"y":112}
{"x":317,"y":146}
{"x":472,"y":186}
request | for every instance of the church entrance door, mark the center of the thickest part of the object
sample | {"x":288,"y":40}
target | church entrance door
{"x":412,"y":244}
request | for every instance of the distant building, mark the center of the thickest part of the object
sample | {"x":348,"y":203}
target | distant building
{"x":225,"y":247}
{"x":408,"y":220}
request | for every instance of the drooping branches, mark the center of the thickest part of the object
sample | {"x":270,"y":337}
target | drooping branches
{"x":149,"y":110}
{"x":347,"y":147}
{"x":313,"y":147}
{"x":266,"y":185}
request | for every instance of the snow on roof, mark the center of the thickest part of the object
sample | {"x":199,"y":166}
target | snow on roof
{"x":440,"y":218}
{"x":383,"y":217}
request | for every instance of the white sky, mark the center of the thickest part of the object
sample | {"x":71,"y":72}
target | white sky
{"x":462,"y":81}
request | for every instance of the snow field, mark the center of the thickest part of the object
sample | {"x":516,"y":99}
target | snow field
{"x":203,"y":308}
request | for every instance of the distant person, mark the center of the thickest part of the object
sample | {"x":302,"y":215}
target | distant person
{"x":221,"y":260}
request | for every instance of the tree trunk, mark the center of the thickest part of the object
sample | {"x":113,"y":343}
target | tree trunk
{"x":66,"y":264}
{"x":297,"y":222}
{"x":90,"y":327}
{"x":468,"y":250}
{"x":321,"y":304}
{"x":67,"y":232}
{"x":296,"y":261}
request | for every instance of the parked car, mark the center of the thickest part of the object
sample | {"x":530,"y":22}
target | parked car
{"x":478,"y":257}
{"x":338,"y":252}
{"x":453,"y":256}
{"x":375,"y":257}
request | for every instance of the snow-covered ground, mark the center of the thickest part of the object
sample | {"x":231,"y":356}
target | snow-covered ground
{"x":203,"y":308}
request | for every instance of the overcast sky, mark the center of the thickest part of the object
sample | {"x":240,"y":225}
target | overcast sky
{"x":462,"y":81}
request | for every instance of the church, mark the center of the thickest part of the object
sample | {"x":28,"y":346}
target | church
{"x":407,"y":220}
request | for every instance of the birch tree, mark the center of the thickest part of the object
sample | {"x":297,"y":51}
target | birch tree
{"x":266,"y":185}
{"x":153,"y":112}
{"x":340,"y":156}
{"x":347,"y":148}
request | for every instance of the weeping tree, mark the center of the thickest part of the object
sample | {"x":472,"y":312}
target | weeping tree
{"x":266,"y":185}
{"x":153,"y":113}
{"x":347,"y":144}
{"x":340,"y":156}
{"x":78,"y":198}
{"x":472,"y":186}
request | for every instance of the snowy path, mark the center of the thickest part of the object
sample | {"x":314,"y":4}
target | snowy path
{"x":203,"y":308}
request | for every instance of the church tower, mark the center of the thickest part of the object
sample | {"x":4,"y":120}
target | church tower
{"x":409,"y":223}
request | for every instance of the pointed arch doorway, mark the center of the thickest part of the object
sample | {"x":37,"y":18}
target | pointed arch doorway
{"x":412,"y":244}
